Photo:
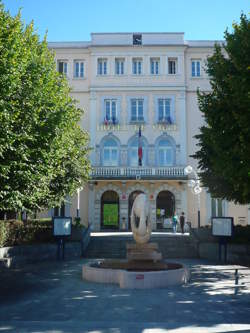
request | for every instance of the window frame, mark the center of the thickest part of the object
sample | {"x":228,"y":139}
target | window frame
{"x":137,"y":106}
{"x":102,"y":66}
{"x":171,"y":145}
{"x":110,"y":149}
{"x":166,"y":109}
{"x":136,"y":69}
{"x":64,"y":62}
{"x":172,"y":108}
{"x":121,"y":66}
{"x":215,"y":203}
{"x":165,"y":149}
{"x":110,"y":118}
{"x":194,"y":72}
{"x":154,"y":70}
{"x":175,"y":61}
{"x":80,"y":62}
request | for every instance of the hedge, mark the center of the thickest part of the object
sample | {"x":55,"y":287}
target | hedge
{"x":15,"y":232}
{"x":241,"y":234}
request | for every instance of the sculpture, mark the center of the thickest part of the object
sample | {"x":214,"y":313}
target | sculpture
{"x":140,"y":219}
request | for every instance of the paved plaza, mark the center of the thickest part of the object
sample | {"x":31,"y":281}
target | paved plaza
{"x":51,"y":297}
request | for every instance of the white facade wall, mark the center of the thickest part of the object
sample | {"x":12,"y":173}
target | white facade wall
{"x":181,"y":87}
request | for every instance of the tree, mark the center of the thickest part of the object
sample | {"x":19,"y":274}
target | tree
{"x":224,"y":141}
{"x":43,"y":150}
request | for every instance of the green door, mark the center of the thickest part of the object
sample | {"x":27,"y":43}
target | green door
{"x":110,"y":210}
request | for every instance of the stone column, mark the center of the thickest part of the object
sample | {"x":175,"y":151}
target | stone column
{"x":124,"y":208}
{"x":151,"y":155}
{"x":93,"y":122}
{"x":183,"y":128}
{"x":124,"y":155}
{"x":91,"y":212}
{"x":152,"y":201}
{"x":184,"y":200}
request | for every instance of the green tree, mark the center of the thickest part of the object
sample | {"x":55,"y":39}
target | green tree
{"x":43,"y":150}
{"x":224,"y":141}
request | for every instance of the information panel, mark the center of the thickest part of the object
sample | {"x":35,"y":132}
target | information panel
{"x":222,"y":226}
{"x":62,"y":226}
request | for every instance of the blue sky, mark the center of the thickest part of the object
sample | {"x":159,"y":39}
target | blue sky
{"x":74,"y":20}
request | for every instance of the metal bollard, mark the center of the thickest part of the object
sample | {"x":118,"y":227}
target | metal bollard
{"x":236,"y":275}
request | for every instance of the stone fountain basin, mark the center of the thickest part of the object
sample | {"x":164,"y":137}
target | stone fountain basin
{"x":130,"y":275}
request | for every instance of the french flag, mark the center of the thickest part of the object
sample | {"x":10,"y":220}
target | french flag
{"x":139,"y":148}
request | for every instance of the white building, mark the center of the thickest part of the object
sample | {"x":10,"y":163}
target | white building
{"x":124,"y":81}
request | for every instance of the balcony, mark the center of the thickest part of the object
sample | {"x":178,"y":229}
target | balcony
{"x":147,"y":173}
{"x":135,"y":127}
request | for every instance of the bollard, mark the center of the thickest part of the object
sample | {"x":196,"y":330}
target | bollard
{"x":236,"y":275}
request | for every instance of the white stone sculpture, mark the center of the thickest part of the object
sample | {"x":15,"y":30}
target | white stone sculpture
{"x":141,"y":214}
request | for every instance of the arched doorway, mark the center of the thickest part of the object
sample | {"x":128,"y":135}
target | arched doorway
{"x":165,"y":207}
{"x":110,"y":210}
{"x":131,"y":200}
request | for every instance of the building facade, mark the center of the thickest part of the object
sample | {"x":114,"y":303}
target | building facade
{"x":139,"y":89}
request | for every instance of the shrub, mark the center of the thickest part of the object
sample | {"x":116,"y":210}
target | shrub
{"x":241,"y":234}
{"x":15,"y":232}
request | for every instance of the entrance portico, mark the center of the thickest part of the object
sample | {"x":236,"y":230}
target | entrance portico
{"x":165,"y":196}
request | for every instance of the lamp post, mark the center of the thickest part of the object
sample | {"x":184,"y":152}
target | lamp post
{"x":78,"y":202}
{"x":195,"y":187}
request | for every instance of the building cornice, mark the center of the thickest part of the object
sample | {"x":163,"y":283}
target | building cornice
{"x":138,"y":87}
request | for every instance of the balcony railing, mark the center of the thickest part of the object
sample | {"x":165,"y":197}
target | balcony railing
{"x":175,"y":172}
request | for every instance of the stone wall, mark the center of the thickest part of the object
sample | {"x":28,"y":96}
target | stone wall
{"x":27,"y":254}
{"x":208,"y":248}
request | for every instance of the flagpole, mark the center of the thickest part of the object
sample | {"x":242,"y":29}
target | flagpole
{"x":139,"y":148}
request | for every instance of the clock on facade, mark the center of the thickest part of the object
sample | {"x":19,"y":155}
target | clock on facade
{"x":137,"y":39}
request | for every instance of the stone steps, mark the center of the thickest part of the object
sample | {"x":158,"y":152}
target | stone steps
{"x":171,"y":246}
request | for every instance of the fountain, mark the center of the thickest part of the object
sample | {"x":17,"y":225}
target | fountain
{"x":144,"y":266}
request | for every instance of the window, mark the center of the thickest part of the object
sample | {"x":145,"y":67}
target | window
{"x":133,"y":152}
{"x":164,"y":110}
{"x":165,"y":153}
{"x":110,"y":153}
{"x":196,"y":72}
{"x":137,"y":110}
{"x":154,"y":66}
{"x":137,"y":39}
{"x":102,"y":67}
{"x":79,"y":69}
{"x":217,"y":207}
{"x":110,"y":111}
{"x":137,"y":66}
{"x":172,"y":66}
{"x":62,"y":66}
{"x":119,"y":66}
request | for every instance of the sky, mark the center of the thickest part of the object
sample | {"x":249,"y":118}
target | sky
{"x":75,"y":20}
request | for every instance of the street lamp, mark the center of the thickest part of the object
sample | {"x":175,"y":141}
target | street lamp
{"x":78,"y":201}
{"x":195,"y":188}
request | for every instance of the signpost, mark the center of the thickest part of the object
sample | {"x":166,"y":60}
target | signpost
{"x":222,"y":227}
{"x":62,"y":227}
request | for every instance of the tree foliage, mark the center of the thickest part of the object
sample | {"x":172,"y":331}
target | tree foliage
{"x":224,"y":141}
{"x":43,"y":150}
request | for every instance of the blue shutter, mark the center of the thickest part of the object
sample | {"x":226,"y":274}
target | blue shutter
{"x":193,"y":68}
{"x":198,"y":73}
{"x":157,"y":67}
{"x":82,"y":70}
{"x":139,"y":67}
